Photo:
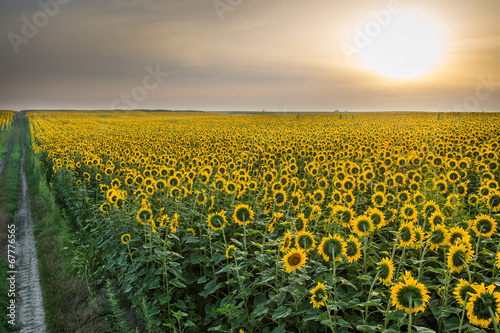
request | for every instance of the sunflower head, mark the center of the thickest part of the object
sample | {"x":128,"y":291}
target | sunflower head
{"x":409,"y":290}
{"x":458,"y":257}
{"x":230,"y":251}
{"x":484,"y":225}
{"x":362,"y":225}
{"x":386,"y":271}
{"x":286,"y":242}
{"x":462,"y":291}
{"x":439,"y":236}
{"x":319,"y":295}
{"x":243,"y":214}
{"x":217,"y":221}
{"x":483,"y":302}
{"x":407,"y":235}
{"x":144,"y":215}
{"x":353,"y":249}
{"x":300,"y":223}
{"x":332,"y":246}
{"x":294,"y":259}
{"x":305,"y":240}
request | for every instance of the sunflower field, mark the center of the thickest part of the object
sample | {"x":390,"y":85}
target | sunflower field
{"x":6,"y":119}
{"x":284,"y":223}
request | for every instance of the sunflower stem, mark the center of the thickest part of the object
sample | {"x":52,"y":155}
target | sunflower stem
{"x":334,"y":272}
{"x":464,"y":309}
{"x":409,"y":318}
{"x":476,"y":254}
{"x":370,"y":295}
{"x":493,"y":319}
{"x":401,"y":261}
{"x":424,"y":250}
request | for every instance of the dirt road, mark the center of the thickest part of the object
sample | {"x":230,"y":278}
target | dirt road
{"x":31,"y":314}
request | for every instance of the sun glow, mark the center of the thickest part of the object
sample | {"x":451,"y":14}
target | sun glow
{"x":410,"y":46}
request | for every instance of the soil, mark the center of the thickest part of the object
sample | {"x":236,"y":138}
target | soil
{"x":31,"y":314}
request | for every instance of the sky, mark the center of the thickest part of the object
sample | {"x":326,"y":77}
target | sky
{"x":250,"y":55}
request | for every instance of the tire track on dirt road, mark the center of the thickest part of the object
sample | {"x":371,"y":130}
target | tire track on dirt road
{"x":31,"y":315}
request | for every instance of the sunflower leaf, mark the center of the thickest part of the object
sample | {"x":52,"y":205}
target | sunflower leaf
{"x":281,"y":312}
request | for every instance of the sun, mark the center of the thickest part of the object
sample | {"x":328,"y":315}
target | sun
{"x":409,"y":47}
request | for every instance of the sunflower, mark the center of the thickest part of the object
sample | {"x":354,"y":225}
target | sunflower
{"x":268,"y":206}
{"x":332,"y":245}
{"x":362,"y":225}
{"x":319,"y":295}
{"x":497,"y":261}
{"x":406,"y":234}
{"x":172,"y":181}
{"x":483,"y":302}
{"x":409,"y":289}
{"x":125,"y":238}
{"x":430,"y":208}
{"x":378,"y":199}
{"x":279,"y":197}
{"x":409,"y":212}
{"x":274,"y":222}
{"x":163,"y":220}
{"x":305,"y":240}
{"x":473,"y":200}
{"x":243,"y":214}
{"x":286,"y":242}
{"x":348,"y":198}
{"x":105,"y":207}
{"x":484,"y":225}
{"x":230,"y":187}
{"x":318,"y":197}
{"x":493,"y":201}
{"x":439,"y":236}
{"x":390,"y":215}
{"x":295,"y":199}
{"x":294,"y":259}
{"x":453,"y":176}
{"x":353,"y":249}
{"x":462,"y":291}
{"x":377,"y":217}
{"x":217,"y":221}
{"x":418,"y":198}
{"x":458,"y":257}
{"x":404,"y":197}
{"x":458,"y":234}
{"x":344,"y":215}
{"x":174,"y":223}
{"x":386,"y":271}
{"x":144,"y":215}
{"x":437,"y":218}
{"x":230,"y":251}
{"x":300,"y":223}
{"x":419,"y":237}
{"x":201,"y":197}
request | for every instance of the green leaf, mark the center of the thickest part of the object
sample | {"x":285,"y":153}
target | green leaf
{"x":421,"y":329}
{"x":395,"y":315}
{"x":451,"y":324}
{"x":189,"y":323}
{"x":373,"y":302}
{"x":163,"y":299}
{"x":282,"y":312}
{"x":367,"y":328}
{"x":437,"y":312}
{"x":178,"y":283}
{"x":210,"y":288}
{"x":418,"y":302}
{"x":260,"y":310}
{"x":279,"y":329}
